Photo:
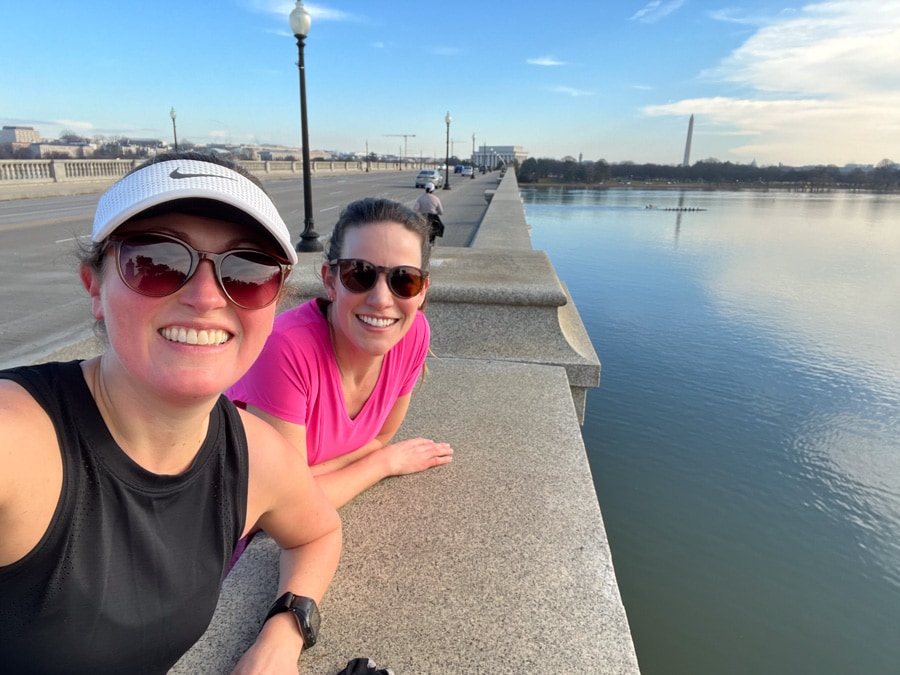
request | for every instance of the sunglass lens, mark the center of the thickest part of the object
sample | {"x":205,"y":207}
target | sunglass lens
{"x":405,"y":282}
{"x":358,"y":276}
{"x":252,"y":280}
{"x":153,"y":267}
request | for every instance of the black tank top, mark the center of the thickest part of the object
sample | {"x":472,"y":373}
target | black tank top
{"x":127,"y":576}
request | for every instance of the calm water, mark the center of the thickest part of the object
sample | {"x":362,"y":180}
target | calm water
{"x":745,"y":437}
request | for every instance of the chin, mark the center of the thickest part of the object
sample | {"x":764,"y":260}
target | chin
{"x":197,"y":383}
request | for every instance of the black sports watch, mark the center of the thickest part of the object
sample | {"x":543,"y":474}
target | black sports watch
{"x":306,"y":613}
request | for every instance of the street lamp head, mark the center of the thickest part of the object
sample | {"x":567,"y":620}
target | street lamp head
{"x":447,"y":118}
{"x":172,"y":114}
{"x":300,"y":20}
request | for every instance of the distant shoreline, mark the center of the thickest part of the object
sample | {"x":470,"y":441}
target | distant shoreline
{"x":709,"y":187}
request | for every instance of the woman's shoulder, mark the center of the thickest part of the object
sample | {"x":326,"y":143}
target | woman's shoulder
{"x":414,"y":344}
{"x":420,"y":326}
{"x":29,"y":392}
{"x":35,"y":466}
{"x":18,"y":407}
{"x":267,"y":449}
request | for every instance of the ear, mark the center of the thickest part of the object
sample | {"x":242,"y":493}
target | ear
{"x":92,"y":282}
{"x":329,"y":281}
{"x":424,"y":291}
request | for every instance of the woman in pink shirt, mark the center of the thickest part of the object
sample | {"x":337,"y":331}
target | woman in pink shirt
{"x":336,"y":375}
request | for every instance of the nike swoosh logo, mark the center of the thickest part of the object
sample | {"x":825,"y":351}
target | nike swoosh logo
{"x":176,"y":174}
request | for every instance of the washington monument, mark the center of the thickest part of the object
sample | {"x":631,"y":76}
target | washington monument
{"x":687,"y":145}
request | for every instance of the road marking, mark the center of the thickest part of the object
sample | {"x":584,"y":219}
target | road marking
{"x":38,"y":223}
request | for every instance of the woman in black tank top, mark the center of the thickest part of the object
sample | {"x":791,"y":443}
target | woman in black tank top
{"x":132,"y":478}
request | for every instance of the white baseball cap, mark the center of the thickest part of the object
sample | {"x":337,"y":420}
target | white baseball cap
{"x":429,"y":186}
{"x":175,"y":179}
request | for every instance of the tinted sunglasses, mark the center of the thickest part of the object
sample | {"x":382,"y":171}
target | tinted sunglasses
{"x":358,"y":276}
{"x":159,"y":264}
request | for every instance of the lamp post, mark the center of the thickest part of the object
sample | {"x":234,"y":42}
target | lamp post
{"x":309,"y":239}
{"x":447,"y":119}
{"x":174,"y":132}
{"x":473,"y":156}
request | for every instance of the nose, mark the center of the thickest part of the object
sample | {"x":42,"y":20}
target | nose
{"x":203,"y":290}
{"x":380,"y":295}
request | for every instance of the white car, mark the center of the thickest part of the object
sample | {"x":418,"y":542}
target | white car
{"x":468,"y":171}
{"x":429,"y":176}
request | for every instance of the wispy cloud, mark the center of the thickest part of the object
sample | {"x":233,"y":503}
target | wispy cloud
{"x":75,"y":125}
{"x":824,"y":80}
{"x":570,"y":91}
{"x":832,"y":48}
{"x":546,"y":61}
{"x":328,"y":14}
{"x":744,"y":16}
{"x":655,"y":10}
{"x":283,"y":8}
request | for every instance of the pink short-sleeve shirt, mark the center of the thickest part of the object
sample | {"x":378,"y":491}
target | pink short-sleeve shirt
{"x":296,"y":379}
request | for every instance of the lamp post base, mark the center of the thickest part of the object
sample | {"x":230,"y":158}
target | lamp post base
{"x":309,"y":242}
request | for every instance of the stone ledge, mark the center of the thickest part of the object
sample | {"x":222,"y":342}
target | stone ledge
{"x":495,"y":563}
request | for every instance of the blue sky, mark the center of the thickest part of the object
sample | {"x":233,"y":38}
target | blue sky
{"x":790,"y":82}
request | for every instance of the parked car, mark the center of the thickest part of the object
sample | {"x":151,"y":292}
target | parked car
{"x":468,"y":171}
{"x":429,"y":176}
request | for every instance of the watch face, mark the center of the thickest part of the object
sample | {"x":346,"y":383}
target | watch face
{"x":314,"y":621}
{"x":308,"y":618}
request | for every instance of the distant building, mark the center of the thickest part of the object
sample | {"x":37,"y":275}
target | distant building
{"x":59,"y":149}
{"x":271,"y":153}
{"x":20,"y":138}
{"x":494,"y":155}
{"x":23,"y":135}
{"x":145,"y":143}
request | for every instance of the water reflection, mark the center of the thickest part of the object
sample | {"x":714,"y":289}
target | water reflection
{"x":746,"y":434}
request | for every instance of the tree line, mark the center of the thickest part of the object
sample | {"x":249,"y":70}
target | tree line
{"x":885,"y":176}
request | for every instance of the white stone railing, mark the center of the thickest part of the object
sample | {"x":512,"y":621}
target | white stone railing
{"x":274,"y":167}
{"x":61,"y":170}
{"x":31,"y":170}
{"x":36,"y":171}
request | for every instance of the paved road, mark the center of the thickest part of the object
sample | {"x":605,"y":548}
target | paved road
{"x":44,"y":308}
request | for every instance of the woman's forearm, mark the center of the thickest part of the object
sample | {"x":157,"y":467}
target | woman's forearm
{"x":304,"y":570}
{"x":350,"y":480}
{"x":341,"y":461}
